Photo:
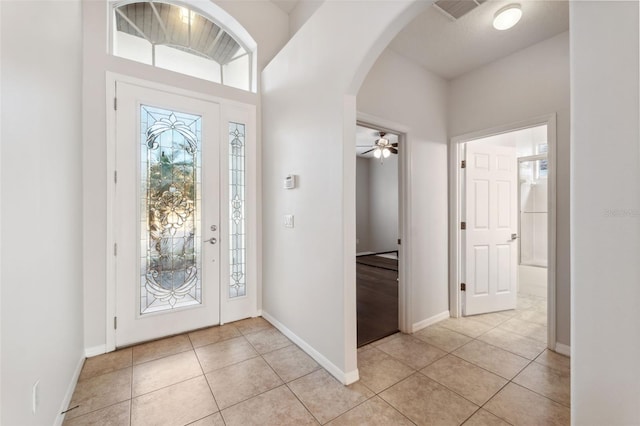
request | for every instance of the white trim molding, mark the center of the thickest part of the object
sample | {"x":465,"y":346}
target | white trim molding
{"x":95,"y":351}
{"x":230,"y":109}
{"x":345,"y":378}
{"x":455,"y":214}
{"x":430,"y":321}
{"x":405,"y":286}
{"x":563,"y":349}
{"x":69,"y":393}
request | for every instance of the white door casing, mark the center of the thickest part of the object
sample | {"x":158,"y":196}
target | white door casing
{"x":489,"y":247}
{"x":135,"y":324}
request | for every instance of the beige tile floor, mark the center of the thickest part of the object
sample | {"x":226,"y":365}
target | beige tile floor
{"x":485,"y":370}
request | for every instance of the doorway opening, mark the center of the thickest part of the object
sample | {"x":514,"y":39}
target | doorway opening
{"x":503,"y":230}
{"x":377,"y":233}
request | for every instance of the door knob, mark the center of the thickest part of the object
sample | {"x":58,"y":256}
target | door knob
{"x":211,"y":240}
{"x":514,"y":236}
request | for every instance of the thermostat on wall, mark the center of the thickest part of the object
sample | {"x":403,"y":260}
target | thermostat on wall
{"x":290,"y":182}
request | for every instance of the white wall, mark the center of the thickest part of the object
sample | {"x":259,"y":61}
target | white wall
{"x":301,"y":13}
{"x":383,"y":204}
{"x":377,"y":204}
{"x":525,"y":141}
{"x":309,"y":102}
{"x":530,"y":83}
{"x":268,"y":26}
{"x":362,"y":204}
{"x":605,"y":213}
{"x":398,"y":90}
{"x":41,"y":207}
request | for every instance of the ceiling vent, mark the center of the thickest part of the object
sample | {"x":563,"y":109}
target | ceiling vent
{"x":455,"y":9}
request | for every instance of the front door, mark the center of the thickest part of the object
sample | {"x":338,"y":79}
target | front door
{"x":491,"y":250}
{"x":167,"y":213}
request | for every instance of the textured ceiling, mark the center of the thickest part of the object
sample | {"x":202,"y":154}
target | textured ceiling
{"x":451,"y":48}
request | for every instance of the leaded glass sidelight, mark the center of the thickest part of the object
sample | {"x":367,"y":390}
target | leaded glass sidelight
{"x":170,"y":170}
{"x":237,"y":283}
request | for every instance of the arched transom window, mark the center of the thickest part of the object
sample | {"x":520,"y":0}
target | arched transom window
{"x":181,"y":39}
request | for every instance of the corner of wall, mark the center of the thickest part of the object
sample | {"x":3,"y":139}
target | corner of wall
{"x":69,"y":393}
{"x":345,"y":378}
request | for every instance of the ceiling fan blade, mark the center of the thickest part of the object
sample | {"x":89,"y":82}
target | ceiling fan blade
{"x":366,"y":152}
{"x":393,"y":150}
{"x":394,"y":144}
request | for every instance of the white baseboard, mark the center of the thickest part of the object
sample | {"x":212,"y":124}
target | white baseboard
{"x":430,"y":321}
{"x":69,"y":393}
{"x":345,"y":378}
{"x":563,"y":349}
{"x":95,"y":350}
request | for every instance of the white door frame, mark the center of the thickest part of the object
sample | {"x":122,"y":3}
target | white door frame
{"x":455,"y":214}
{"x":228,"y":111}
{"x":405,"y":284}
{"x":535,"y":157}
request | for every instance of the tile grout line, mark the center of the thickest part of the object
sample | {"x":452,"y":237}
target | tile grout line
{"x":375,"y":394}
{"x":529,"y":362}
{"x":270,"y":367}
{"x":299,"y":400}
{"x":209,"y":386}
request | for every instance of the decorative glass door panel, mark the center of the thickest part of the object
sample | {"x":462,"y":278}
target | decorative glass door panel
{"x":167,"y":209}
{"x":237,"y":284}
{"x":170,"y":198}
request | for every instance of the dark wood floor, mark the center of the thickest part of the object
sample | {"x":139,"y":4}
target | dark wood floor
{"x":377,"y":298}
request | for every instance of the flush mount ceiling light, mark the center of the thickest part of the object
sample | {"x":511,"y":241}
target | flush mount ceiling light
{"x":507,"y":17}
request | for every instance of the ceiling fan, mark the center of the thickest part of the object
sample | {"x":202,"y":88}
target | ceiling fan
{"x":383,"y":148}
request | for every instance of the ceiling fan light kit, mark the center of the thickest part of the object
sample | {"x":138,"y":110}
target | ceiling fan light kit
{"x":382,"y":148}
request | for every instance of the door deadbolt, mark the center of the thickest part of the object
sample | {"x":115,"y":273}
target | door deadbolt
{"x":213,"y":227}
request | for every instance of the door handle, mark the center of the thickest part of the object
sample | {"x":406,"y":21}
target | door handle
{"x":514,"y":236}
{"x":211,"y":240}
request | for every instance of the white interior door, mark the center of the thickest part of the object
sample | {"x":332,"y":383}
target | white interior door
{"x":490,"y":246}
{"x":167,"y":213}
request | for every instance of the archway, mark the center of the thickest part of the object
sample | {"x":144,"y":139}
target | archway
{"x":309,"y":116}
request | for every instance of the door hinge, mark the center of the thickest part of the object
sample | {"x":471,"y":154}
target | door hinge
{"x":463,"y":287}
{"x":399,"y":241}
{"x":115,"y":176}
{"x":115,"y":104}
{"x":115,"y":249}
{"x":463,"y":164}
{"x":115,"y":323}
{"x":463,"y":225}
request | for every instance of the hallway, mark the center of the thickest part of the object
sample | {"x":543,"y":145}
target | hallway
{"x":488,"y":369}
